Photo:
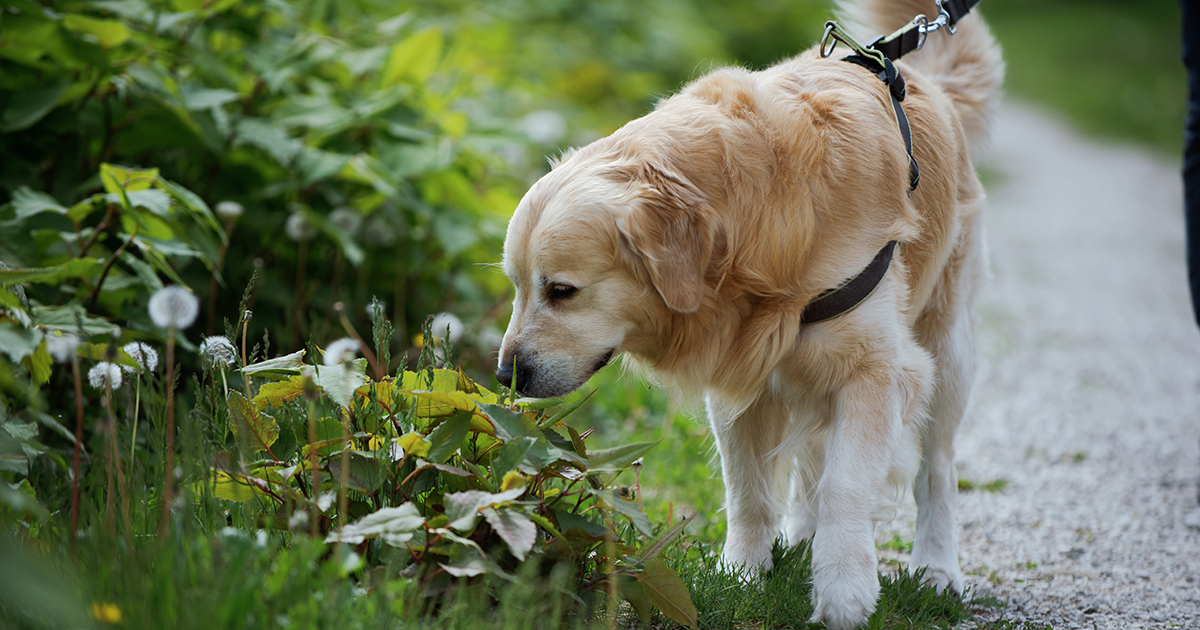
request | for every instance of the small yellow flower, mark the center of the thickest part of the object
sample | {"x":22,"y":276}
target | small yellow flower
{"x":105,"y":612}
{"x":419,"y":340}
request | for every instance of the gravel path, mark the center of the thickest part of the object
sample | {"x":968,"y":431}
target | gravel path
{"x":1086,"y":411}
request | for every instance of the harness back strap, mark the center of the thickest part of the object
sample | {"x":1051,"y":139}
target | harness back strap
{"x":855,"y":291}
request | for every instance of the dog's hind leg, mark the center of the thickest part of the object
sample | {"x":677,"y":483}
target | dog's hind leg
{"x":946,"y":330}
{"x":748,"y":442}
{"x":936,"y":485}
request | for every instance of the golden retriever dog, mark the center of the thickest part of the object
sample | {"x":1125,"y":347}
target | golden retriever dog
{"x":691,"y":239}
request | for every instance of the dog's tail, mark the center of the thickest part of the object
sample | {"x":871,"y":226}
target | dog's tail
{"x":967,"y":65}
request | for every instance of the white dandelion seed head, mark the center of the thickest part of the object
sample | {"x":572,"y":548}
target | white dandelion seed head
{"x":61,"y":345}
{"x":340,"y":351}
{"x":142,"y":354}
{"x":217,"y":352}
{"x":441,"y":322}
{"x":230,"y":209}
{"x":104,"y":373}
{"x":299,"y":228}
{"x":173,"y":307}
{"x":347,"y":219}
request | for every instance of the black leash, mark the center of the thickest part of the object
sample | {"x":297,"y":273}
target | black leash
{"x":877,"y":57}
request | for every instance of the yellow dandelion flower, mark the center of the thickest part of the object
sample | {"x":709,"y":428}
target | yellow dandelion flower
{"x":105,"y":612}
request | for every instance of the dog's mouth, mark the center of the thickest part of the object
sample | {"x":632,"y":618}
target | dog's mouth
{"x":603,"y":361}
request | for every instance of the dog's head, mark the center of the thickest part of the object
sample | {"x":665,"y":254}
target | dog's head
{"x":599,"y":250}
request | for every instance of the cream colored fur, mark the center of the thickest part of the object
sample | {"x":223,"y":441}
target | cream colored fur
{"x":691,"y":238}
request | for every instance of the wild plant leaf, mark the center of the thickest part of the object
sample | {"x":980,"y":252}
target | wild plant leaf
{"x":569,"y":521}
{"x":510,"y":455}
{"x":121,"y":179}
{"x":511,"y":424}
{"x":156,"y":201}
{"x":443,"y":381}
{"x":74,"y":268}
{"x":27,"y":203}
{"x":577,"y":442}
{"x":18,"y":342}
{"x":254,"y":430}
{"x":625,"y":508}
{"x":395,"y":525}
{"x":234,"y":487}
{"x":514,"y":528}
{"x":414,"y":444}
{"x":67,"y":317}
{"x":365,"y":473}
{"x":100,"y":352}
{"x":668,"y":592}
{"x":279,"y":393}
{"x":569,"y":409}
{"x":462,"y":508}
{"x":638,"y":597}
{"x":414,"y":58}
{"x":619,"y":457}
{"x":339,"y":381}
{"x":279,"y":368}
{"x":448,"y":437}
{"x":108,"y":33}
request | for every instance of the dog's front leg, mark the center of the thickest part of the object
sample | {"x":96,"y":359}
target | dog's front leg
{"x":747,"y":440}
{"x":869,"y":414}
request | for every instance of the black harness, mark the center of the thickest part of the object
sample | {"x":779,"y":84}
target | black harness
{"x":877,"y":57}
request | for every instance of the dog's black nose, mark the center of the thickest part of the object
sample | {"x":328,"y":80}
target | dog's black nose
{"x":515,"y":374}
{"x":504,"y":373}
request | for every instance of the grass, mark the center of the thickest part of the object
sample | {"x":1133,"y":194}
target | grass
{"x":1111,"y":67}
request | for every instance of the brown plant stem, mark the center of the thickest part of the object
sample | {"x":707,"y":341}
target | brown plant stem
{"x":340,"y":309}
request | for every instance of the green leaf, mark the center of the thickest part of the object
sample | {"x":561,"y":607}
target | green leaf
{"x":413,"y":59}
{"x":669,"y":593}
{"x":279,"y":368}
{"x":617,"y":458}
{"x":74,"y":268}
{"x":448,"y":437}
{"x":27,"y":203}
{"x":67,"y":318}
{"x":119,"y":179}
{"x":339,"y":381}
{"x":254,"y":430}
{"x":273,"y":140}
{"x":233,"y":487}
{"x":279,"y":393}
{"x":636,"y":594}
{"x":511,"y":424}
{"x":510,"y":455}
{"x":515,"y":528}
{"x":156,"y":201}
{"x":395,"y":525}
{"x":569,"y":521}
{"x":108,"y":33}
{"x":462,"y":508}
{"x":18,"y":342}
{"x":30,"y":105}
{"x":651,"y":550}
{"x":365,"y":472}
{"x":626,"y":508}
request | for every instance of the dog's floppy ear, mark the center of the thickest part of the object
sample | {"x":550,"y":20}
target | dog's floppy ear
{"x":671,"y":230}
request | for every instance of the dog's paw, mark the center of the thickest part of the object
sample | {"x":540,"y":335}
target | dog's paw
{"x":845,"y":607}
{"x":745,"y":561}
{"x":942,"y":578}
{"x":845,"y":581}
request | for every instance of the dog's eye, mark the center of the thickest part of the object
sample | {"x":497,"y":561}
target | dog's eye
{"x":560,"y":292}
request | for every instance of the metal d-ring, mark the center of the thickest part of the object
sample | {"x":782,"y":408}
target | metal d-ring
{"x":827,"y":37}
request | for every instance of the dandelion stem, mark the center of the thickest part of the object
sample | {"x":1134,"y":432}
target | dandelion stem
{"x":78,"y":448}
{"x":169,"y":472}
{"x":314,"y":514}
{"x":137,"y":401}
